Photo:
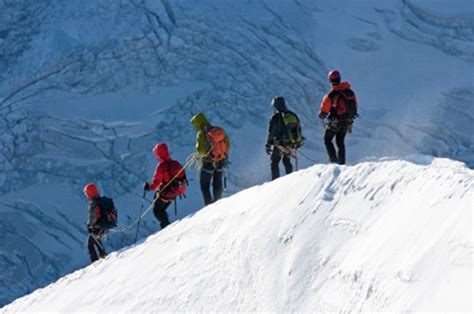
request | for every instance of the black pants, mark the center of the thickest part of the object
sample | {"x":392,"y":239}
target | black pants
{"x":276,"y":156}
{"x":94,"y":245}
{"x":211,"y":171}
{"x":159,"y":209}
{"x":340,"y":134}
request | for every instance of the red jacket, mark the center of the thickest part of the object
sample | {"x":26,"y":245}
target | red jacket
{"x":326,"y":104}
{"x":166,"y":170}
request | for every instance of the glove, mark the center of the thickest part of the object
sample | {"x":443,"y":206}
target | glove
{"x":322,"y":115}
{"x":268,"y":149}
{"x":90,"y":228}
{"x":146,"y":186}
{"x":333,"y":125}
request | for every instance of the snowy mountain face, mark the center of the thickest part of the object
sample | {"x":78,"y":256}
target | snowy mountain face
{"x":392,"y":235}
{"x":87,"y":88}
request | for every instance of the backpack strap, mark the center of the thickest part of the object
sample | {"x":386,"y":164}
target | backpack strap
{"x":335,"y":100}
{"x":211,"y":147}
{"x":170,"y":174}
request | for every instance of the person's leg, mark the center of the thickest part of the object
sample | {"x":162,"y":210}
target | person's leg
{"x":275,"y":160}
{"x":91,"y":248}
{"x":328,"y":136}
{"x":159,"y":210}
{"x":99,"y":244}
{"x":217,"y":183}
{"x":207,"y":173}
{"x":341,"y":148}
{"x":287,"y":163}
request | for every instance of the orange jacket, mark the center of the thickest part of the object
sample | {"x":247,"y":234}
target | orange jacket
{"x":326,"y":103}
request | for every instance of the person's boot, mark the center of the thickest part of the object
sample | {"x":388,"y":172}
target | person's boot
{"x":93,"y":257}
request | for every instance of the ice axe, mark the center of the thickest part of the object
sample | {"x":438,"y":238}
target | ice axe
{"x":140,"y":217}
{"x":295,"y":156}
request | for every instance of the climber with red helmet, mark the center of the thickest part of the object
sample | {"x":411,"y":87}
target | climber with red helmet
{"x":102,"y":217}
{"x":169,"y":182}
{"x":338,"y":111}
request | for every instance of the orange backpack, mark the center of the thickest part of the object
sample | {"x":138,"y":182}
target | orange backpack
{"x":219,"y":145}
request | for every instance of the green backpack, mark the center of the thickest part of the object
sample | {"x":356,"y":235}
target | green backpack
{"x":294,"y":137}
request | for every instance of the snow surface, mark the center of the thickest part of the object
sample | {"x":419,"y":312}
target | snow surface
{"x":88,"y":87}
{"x":392,"y":235}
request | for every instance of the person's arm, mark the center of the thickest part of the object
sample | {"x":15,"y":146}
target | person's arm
{"x":325,"y":107}
{"x":202,"y":144}
{"x":92,"y":214}
{"x":271,"y":131}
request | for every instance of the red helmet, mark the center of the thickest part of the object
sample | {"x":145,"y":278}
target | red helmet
{"x":334,"y":76}
{"x":91,"y":191}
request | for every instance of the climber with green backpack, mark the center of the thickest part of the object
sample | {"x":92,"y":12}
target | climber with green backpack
{"x":284,"y":137}
{"x":212,"y":148}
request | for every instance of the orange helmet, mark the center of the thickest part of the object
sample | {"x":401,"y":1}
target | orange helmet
{"x":91,"y":191}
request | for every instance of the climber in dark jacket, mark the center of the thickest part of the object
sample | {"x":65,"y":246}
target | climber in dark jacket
{"x":276,"y":145}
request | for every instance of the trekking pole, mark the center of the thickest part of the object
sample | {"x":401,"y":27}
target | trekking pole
{"x":140,"y":217}
{"x":296,"y":160}
{"x":323,"y":124}
{"x":225,"y":180}
{"x":96,"y":240}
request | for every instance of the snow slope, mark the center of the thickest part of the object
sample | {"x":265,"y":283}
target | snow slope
{"x":88,"y":87}
{"x":393,"y":235}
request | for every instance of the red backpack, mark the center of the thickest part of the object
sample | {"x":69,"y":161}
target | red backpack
{"x":176,"y":173}
{"x":219,"y":145}
{"x":343,"y":105}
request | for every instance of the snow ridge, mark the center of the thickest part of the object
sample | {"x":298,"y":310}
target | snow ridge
{"x":379,"y":236}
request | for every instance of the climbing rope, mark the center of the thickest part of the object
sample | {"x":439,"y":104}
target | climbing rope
{"x":308,"y":158}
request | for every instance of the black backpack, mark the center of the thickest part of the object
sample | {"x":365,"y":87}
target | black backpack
{"x":344,"y":106}
{"x":107,"y":214}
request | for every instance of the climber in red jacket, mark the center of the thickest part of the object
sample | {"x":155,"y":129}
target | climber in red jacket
{"x":169,"y":182}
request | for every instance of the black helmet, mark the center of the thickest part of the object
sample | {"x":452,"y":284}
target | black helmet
{"x":279,"y":104}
